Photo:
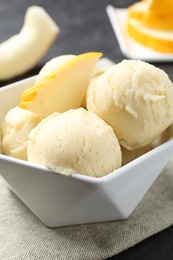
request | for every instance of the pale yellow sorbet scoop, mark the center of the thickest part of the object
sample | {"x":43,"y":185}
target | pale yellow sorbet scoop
{"x":15,"y":129}
{"x":76,"y":141}
{"x":136,"y":99}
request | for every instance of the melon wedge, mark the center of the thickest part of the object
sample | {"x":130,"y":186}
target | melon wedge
{"x":160,"y":6}
{"x":148,"y":18}
{"x":63,"y":89}
{"x":23,"y":51}
{"x":158,"y":40}
{"x":137,"y":10}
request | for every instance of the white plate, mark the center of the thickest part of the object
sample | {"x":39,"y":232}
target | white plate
{"x":59,"y":200}
{"x":130,"y":48}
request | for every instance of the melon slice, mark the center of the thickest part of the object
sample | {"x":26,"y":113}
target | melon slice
{"x":63,"y":89}
{"x":158,"y":40}
{"x":160,"y":6}
{"x":24,"y":50}
{"x":137,"y":10}
{"x":148,"y":18}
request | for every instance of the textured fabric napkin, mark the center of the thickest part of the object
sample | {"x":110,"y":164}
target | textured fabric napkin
{"x":23,"y":237}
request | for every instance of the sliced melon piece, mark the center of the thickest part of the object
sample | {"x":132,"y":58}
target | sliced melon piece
{"x":137,"y":10}
{"x":141,"y":11}
{"x":63,"y":89}
{"x":24,"y":50}
{"x":160,"y":6}
{"x":162,"y":21}
{"x":158,"y":40}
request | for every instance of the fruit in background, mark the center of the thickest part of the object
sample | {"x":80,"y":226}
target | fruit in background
{"x":24,"y":50}
{"x":150,"y":23}
{"x":158,"y":40}
{"x":160,"y":6}
{"x":137,"y":10}
{"x":63,"y":89}
{"x":150,"y":19}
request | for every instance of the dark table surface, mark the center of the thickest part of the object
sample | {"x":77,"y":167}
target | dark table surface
{"x":85,"y":27}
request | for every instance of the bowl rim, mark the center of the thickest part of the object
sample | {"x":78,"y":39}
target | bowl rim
{"x":91,"y":179}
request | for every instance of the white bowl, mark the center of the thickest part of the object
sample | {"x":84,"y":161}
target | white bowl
{"x":59,"y":200}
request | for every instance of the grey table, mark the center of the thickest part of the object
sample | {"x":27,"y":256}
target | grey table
{"x":85,"y":27}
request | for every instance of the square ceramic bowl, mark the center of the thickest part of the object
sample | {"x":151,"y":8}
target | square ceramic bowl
{"x":59,"y":200}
